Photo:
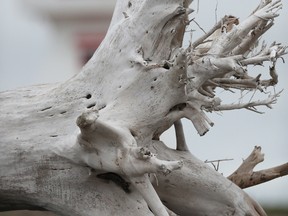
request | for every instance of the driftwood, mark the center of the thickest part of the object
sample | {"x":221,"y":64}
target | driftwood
{"x":90,"y":145}
{"x":245,"y":177}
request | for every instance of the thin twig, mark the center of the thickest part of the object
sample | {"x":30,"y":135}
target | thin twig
{"x":216,"y":9}
{"x":216,"y":167}
{"x":193,"y":20}
{"x":210,"y":32}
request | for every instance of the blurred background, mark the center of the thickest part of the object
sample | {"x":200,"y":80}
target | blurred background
{"x":50,"y":40}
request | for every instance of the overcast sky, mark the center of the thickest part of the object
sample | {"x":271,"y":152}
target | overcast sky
{"x":235,"y":132}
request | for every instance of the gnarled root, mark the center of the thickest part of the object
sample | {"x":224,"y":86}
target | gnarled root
{"x":245,"y":177}
{"x":107,"y":148}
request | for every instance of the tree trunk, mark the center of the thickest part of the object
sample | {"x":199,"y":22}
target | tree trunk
{"x":90,"y":145}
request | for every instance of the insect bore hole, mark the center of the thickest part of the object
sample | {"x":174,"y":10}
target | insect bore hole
{"x":88,"y":96}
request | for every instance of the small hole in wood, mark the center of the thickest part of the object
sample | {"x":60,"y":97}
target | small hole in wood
{"x":88,"y":96}
{"x":63,"y":112}
{"x":91,"y":105}
{"x":54,"y":135}
{"x":129,"y":4}
{"x":152,"y":87}
{"x":102,"y":107}
{"x":47,"y":108}
{"x":133,"y":133}
{"x":155,"y":79}
{"x":166,"y":66}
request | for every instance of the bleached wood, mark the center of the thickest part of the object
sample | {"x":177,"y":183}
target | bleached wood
{"x":90,"y":145}
{"x":245,"y":176}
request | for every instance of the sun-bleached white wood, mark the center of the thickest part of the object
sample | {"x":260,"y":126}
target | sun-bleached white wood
{"x":90,"y":145}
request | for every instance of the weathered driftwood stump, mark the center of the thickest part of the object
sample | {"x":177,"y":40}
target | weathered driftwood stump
{"x":90,"y":145}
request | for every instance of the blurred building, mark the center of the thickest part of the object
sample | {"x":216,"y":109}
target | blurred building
{"x":80,"y":24}
{"x":51,"y":39}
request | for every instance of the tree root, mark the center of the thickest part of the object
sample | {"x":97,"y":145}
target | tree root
{"x":245,"y":177}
